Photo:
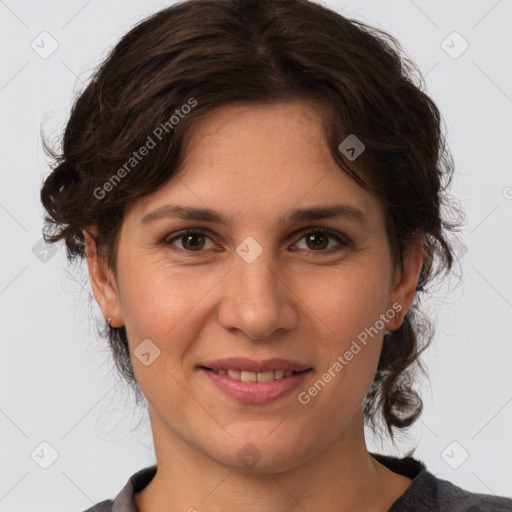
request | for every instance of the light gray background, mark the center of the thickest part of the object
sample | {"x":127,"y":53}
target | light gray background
{"x":57,"y":383}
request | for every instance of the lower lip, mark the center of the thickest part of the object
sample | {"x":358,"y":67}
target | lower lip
{"x":256,"y":392}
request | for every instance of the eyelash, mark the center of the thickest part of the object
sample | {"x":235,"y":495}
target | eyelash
{"x":344,"y":241}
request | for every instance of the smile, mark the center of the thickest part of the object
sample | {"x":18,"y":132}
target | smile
{"x":247,"y":376}
{"x":247,"y":388}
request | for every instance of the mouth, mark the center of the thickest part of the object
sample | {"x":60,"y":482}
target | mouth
{"x":250,"y":376}
{"x":249,"y":381}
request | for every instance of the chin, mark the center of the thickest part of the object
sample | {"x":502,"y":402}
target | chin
{"x":260,"y":453}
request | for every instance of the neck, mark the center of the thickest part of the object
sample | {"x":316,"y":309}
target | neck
{"x":344,"y":477}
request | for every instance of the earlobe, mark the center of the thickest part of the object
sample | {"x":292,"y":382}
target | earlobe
{"x":102,"y":280}
{"x":407,"y":281}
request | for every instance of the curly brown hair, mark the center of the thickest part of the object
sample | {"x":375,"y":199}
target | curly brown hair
{"x":217,"y":52}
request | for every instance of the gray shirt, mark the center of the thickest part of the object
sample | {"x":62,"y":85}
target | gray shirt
{"x":426,"y":493}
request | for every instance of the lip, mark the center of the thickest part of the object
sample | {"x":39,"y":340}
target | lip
{"x":256,"y":392}
{"x":251,"y":365}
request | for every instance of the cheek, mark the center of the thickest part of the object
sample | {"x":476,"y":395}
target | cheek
{"x":347,"y":309}
{"x":348,"y":300}
{"x":161,"y":302}
{"x":161,"y":305}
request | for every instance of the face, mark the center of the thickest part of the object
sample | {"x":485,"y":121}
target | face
{"x":265,"y":284}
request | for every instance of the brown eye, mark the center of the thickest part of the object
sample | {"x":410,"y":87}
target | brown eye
{"x":190,"y":241}
{"x":317,"y":240}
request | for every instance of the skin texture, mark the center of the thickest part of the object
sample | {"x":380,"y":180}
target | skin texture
{"x":295,"y":301}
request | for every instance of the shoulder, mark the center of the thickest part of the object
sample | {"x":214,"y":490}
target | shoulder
{"x":124,"y":501}
{"x":428,"y":493}
{"x":456,"y":499}
{"x":104,"y":506}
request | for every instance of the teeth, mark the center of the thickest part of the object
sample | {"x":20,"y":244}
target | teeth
{"x":246,"y":376}
{"x":265,"y":376}
{"x":234,"y":374}
{"x":278,"y":374}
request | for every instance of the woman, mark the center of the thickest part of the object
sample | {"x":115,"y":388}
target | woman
{"x":257,"y":188}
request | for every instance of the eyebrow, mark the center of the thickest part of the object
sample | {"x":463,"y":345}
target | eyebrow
{"x":294,"y":216}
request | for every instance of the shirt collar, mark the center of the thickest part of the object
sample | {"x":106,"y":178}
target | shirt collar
{"x":124,"y":501}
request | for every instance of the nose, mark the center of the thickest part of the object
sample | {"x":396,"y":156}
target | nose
{"x":257,"y":300}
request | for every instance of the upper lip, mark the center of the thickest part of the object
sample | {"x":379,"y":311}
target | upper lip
{"x":251,"y":365}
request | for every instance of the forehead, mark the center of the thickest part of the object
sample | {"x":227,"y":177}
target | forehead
{"x":259,"y":161}
{"x":263,"y":132}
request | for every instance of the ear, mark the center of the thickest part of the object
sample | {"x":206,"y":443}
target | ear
{"x":405,"y":281}
{"x":102,"y":280}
